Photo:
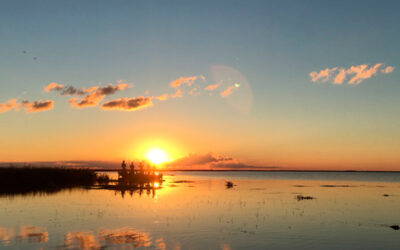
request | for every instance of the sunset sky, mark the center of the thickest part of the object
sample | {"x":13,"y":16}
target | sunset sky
{"x":290,"y":84}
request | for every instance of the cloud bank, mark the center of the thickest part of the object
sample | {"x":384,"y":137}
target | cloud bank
{"x":93,"y":96}
{"x":355,"y":74}
{"x":213,"y":162}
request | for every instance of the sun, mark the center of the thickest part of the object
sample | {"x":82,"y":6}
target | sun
{"x":157,"y":156}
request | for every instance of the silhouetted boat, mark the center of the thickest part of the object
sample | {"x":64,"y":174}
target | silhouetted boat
{"x":138,"y":176}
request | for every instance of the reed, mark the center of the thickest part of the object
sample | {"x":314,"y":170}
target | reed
{"x":46,"y":179}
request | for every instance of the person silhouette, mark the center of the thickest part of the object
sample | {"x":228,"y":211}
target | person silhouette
{"x":132,"y":167}
{"x":123,"y":172}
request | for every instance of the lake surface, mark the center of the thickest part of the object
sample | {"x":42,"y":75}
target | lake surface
{"x":195,"y":210}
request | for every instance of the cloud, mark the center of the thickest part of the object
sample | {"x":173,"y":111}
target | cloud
{"x":357,"y":73}
{"x":211,"y":87}
{"x":70,"y":90}
{"x":178,"y":94}
{"x":228,"y":91}
{"x":193,"y":91}
{"x":239,"y":166}
{"x":128,"y":104}
{"x":323,"y":75}
{"x":110,"y":89}
{"x":36,"y":106}
{"x":387,"y":70}
{"x":340,"y":77}
{"x":198,"y":161}
{"x":362,"y":72}
{"x":91,"y":100}
{"x":162,"y":97}
{"x":67,"y":90}
{"x":53,"y":86}
{"x":211,"y":161}
{"x":95,"y":95}
{"x":5,"y":107}
{"x":182,"y":80}
{"x":30,"y":107}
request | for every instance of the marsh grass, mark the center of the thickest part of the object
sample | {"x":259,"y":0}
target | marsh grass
{"x":46,"y":179}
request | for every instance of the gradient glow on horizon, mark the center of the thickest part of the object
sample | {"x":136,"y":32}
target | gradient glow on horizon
{"x":298,"y":85}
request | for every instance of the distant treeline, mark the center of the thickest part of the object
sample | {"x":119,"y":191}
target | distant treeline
{"x":34,"y":179}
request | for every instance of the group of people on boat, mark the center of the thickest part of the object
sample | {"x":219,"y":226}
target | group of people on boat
{"x":139,"y":173}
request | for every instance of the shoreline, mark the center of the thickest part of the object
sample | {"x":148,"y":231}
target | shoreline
{"x":250,"y":170}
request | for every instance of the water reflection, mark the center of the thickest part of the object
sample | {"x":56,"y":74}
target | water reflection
{"x":125,"y":237}
{"x":80,"y":240}
{"x":6,"y":235}
{"x":32,"y":234}
{"x":149,"y":190}
{"x":254,"y":214}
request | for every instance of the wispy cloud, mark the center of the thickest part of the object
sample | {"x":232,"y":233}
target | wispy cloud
{"x":340,"y":77}
{"x":36,"y":106}
{"x":91,"y":100}
{"x":92,"y":96}
{"x":128,"y":104}
{"x":53,"y":86}
{"x":67,"y":90}
{"x":228,"y":91}
{"x":323,"y":75}
{"x":30,"y":107}
{"x":193,"y":91}
{"x":184,"y":80}
{"x":162,"y":97}
{"x":356,"y":73}
{"x":362,"y":72}
{"x":177,"y":94}
{"x":71,"y":91}
{"x":211,"y":87}
{"x":387,"y":70}
{"x":5,"y":107}
{"x":110,"y":89}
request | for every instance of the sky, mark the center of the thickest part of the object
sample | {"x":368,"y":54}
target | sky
{"x":214,"y":84}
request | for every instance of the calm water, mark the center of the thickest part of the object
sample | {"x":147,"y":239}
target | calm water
{"x":195,"y":210}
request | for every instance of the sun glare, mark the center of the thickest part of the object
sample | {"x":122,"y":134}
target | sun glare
{"x":157,"y":156}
